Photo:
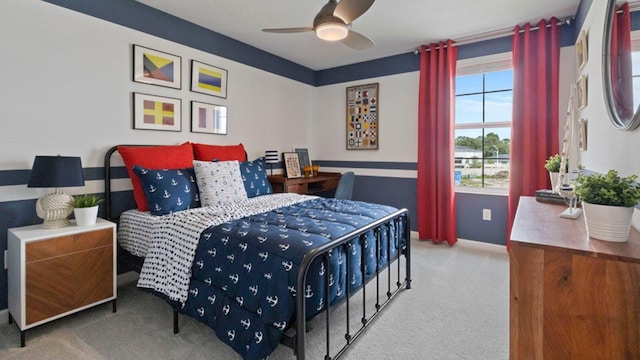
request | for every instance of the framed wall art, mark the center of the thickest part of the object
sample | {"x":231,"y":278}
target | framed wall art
{"x":156,"y":67}
{"x":208,"y":118}
{"x":582,"y":91}
{"x":208,"y":79}
{"x":362,"y":117}
{"x":582,"y":53}
{"x":152,"y":112}
{"x":582,"y":135}
{"x":292,"y":165}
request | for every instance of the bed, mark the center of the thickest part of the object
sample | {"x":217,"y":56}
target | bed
{"x":247,"y":262}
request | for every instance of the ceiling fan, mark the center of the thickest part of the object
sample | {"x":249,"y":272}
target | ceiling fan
{"x":333,"y":23}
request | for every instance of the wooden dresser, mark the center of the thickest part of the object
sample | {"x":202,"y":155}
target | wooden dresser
{"x":571,"y":297}
{"x":307,"y":186}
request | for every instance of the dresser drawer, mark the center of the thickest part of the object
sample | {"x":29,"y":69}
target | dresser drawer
{"x":63,"y":245}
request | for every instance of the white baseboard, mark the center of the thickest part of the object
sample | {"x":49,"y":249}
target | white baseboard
{"x":473,"y":244}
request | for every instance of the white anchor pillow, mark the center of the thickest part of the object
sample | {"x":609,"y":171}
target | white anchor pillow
{"x":168,"y":191}
{"x":219,"y":182}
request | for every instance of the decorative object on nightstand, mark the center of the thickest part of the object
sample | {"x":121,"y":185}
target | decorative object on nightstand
{"x":85,"y":209}
{"x":608,"y":202}
{"x":55,"y":172}
{"x":271,"y":158}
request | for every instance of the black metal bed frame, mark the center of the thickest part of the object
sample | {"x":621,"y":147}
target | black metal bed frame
{"x":297,"y":341}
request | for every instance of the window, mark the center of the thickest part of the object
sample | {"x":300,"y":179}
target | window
{"x":484,"y":98}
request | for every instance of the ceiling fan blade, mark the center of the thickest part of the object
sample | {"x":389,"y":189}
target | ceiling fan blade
{"x":349,"y":10}
{"x":357,"y":41}
{"x":289,"y":30}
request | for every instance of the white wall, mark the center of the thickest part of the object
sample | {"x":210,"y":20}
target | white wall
{"x":66,"y":89}
{"x":608,"y":148}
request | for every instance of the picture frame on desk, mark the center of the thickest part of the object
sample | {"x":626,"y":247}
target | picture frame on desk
{"x":291,"y":165}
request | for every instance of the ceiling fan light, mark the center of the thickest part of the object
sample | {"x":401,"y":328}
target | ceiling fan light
{"x":332,"y":31}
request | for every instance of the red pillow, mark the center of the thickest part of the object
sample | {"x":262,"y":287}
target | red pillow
{"x":204,"y":152}
{"x":154,"y":157}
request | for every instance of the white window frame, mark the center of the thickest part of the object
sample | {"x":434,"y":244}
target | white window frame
{"x":479,"y":65}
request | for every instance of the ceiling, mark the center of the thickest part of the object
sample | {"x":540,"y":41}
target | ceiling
{"x":396,"y":26}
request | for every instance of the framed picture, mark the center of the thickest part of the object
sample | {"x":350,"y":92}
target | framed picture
{"x":582,"y":89}
{"x":156,"y":67}
{"x":208,"y":118}
{"x":582,"y":133}
{"x":362,"y":117}
{"x":208,"y":79}
{"x":303,"y":158}
{"x":152,"y":112}
{"x":582,"y":53}
{"x":292,"y":165}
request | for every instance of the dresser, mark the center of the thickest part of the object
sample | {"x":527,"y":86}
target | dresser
{"x":56,"y":272}
{"x":571,"y":297}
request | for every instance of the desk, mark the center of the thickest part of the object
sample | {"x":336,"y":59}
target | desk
{"x":571,"y":297}
{"x":312,"y":185}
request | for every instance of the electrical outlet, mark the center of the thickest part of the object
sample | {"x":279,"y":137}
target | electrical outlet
{"x":486,"y":214}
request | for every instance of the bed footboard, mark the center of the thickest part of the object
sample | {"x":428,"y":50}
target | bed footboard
{"x":401,"y":217}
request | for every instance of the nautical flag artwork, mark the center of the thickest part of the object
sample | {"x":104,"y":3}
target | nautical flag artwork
{"x":156,"y":112}
{"x":208,"y":118}
{"x":208,"y":79}
{"x":156,"y":67}
{"x":362,"y":117}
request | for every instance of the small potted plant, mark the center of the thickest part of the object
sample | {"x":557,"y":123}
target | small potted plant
{"x":85,"y":208}
{"x":552,"y":164}
{"x":608,"y":201}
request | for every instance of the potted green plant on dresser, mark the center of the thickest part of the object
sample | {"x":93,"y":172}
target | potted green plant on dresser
{"x":608,"y":201}
{"x":552,"y":164}
{"x":85,"y":209}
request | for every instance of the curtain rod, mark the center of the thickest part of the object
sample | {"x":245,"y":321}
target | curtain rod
{"x":495,"y":34}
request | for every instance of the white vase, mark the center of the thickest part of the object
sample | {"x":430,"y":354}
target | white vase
{"x":609,"y":223}
{"x":86,"y":216}
{"x":554,"y":181}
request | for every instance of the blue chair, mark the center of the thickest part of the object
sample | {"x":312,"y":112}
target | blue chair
{"x":345,"y":186}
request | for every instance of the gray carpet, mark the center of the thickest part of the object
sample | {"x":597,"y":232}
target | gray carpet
{"x":458,"y":308}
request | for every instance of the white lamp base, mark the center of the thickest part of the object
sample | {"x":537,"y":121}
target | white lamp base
{"x":571,"y":213}
{"x":54,"y":209}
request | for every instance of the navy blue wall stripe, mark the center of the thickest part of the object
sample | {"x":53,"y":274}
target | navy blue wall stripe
{"x":141,"y":17}
{"x":138,"y":16}
{"x":381,"y":165}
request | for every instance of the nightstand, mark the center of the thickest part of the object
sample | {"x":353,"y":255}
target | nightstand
{"x":56,"y":272}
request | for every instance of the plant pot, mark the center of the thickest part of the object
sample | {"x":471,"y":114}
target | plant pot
{"x":609,"y":223}
{"x":554,"y":181}
{"x":86,"y":216}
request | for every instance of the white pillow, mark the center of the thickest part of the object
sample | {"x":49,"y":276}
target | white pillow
{"x":219,"y":182}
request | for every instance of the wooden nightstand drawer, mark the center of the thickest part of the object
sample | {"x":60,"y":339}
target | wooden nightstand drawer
{"x":297,"y":188}
{"x":44,"y":249}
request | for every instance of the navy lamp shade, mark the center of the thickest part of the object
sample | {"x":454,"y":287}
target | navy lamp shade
{"x":55,"y":172}
{"x":270,"y":158}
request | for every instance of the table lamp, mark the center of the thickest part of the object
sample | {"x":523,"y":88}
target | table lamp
{"x":270,"y":158}
{"x":55,"y":172}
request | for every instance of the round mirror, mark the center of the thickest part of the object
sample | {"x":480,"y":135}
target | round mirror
{"x":617,"y":67}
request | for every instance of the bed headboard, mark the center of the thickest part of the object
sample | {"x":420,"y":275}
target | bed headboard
{"x":110,"y":173}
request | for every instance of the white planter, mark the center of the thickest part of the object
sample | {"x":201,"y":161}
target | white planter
{"x":554,"y":181}
{"x":86,"y":216}
{"x":609,"y":223}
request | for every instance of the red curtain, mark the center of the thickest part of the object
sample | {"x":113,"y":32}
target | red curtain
{"x":436,"y":194}
{"x":534,"y":127}
{"x":621,"y":71}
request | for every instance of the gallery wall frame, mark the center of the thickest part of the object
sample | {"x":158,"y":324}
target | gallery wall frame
{"x":208,"y":118}
{"x":291,"y":165}
{"x":156,"y":67}
{"x":151,"y":112}
{"x":208,"y":79}
{"x":582,"y":91}
{"x":582,"y":51}
{"x":362,"y":117}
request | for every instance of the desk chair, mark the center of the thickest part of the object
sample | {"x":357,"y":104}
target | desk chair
{"x":345,"y":186}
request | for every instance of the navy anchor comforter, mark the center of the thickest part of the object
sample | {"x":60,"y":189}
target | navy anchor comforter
{"x":244,"y":271}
